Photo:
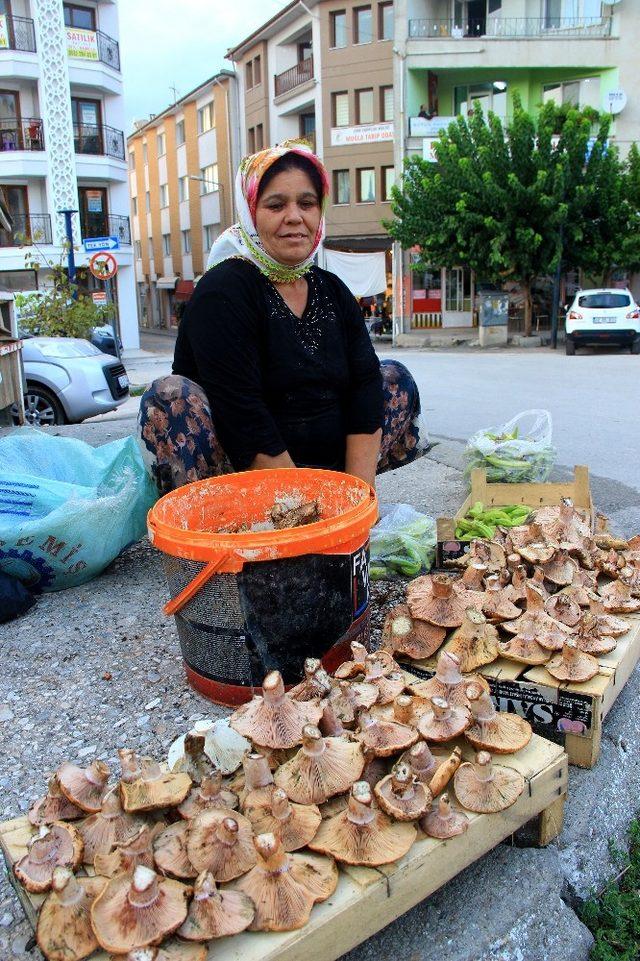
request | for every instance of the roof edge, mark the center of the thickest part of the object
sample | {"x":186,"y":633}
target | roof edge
{"x":264,"y":32}
{"x":158,"y":117}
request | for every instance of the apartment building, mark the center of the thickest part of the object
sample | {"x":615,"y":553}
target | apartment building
{"x":182,"y":165}
{"x":62,"y":144}
{"x":455,"y":55}
{"x":323,"y":70}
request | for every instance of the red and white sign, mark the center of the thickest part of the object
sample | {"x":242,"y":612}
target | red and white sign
{"x":99,"y":297}
{"x":103,"y":265}
{"x":365,"y":133}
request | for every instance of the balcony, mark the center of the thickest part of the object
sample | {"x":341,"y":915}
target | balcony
{"x":18,"y":34}
{"x":106,"y":225}
{"x":98,"y":141}
{"x":108,"y":50}
{"x":27,"y":229}
{"x":512,"y":28}
{"x":24,"y":134}
{"x":289,"y":79}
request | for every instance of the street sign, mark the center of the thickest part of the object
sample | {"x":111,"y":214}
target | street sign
{"x":103,"y":266}
{"x":91,"y":244}
{"x":99,"y":297}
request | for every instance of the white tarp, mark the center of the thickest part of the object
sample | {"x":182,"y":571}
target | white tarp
{"x":364,"y":274}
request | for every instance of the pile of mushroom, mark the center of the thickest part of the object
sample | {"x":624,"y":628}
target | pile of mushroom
{"x":546,"y":594}
{"x":245,"y":827}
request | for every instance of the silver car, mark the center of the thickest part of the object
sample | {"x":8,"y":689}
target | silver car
{"x":68,"y":380}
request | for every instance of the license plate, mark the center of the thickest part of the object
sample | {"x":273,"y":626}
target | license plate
{"x":605,"y":320}
{"x":123,"y":381}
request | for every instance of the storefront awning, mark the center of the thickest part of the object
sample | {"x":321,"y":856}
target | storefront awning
{"x":166,"y":283}
{"x":184,"y":289}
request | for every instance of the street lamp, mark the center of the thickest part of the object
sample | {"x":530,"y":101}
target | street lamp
{"x":212,"y":183}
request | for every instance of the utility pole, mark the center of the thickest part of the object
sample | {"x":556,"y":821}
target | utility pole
{"x":68,"y":228}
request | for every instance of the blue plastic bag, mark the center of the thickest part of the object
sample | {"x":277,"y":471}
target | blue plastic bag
{"x":68,"y":509}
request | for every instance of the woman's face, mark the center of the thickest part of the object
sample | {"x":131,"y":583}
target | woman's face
{"x":287,"y":217}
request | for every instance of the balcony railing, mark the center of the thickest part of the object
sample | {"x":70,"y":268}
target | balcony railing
{"x":511,"y":28}
{"x":294,"y":76}
{"x":24,"y":134}
{"x":18,"y":34}
{"x":106,"y":225}
{"x":27,"y":229}
{"x":99,"y":140}
{"x":108,"y":50}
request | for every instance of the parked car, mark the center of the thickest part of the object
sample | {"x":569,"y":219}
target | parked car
{"x":68,"y":380}
{"x":603,"y":316}
{"x":104,"y":338}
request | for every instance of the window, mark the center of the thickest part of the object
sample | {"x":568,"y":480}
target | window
{"x":257,"y":71}
{"x":248,"y":71}
{"x":166,"y":245}
{"x":386,"y":103}
{"x":338,"y":24}
{"x":385,"y":21}
{"x":162,"y":144}
{"x":147,"y":202}
{"x":145,"y":153}
{"x":132,"y":161}
{"x":134,"y":201}
{"x":183,"y":189}
{"x":388,"y":180}
{"x":205,"y":117}
{"x":210,"y":234}
{"x":251,"y":140}
{"x":364,"y":106}
{"x":362,"y":25}
{"x":164,"y":195}
{"x":366,"y":185}
{"x":481,"y":96}
{"x":340,"y":109}
{"x":494,"y":6}
{"x":580,"y":93}
{"x":137,"y":247}
{"x":179,"y":132}
{"x":558,"y":12}
{"x":259,"y":137}
{"x":186,"y":241}
{"x":305,"y":50}
{"x":82,"y":18}
{"x":209,"y":176}
{"x":341,"y":187}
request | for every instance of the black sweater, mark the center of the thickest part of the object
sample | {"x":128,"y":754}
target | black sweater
{"x":276,"y":382}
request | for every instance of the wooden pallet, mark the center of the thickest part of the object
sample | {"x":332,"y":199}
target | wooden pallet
{"x":366,"y":899}
{"x":552,"y":706}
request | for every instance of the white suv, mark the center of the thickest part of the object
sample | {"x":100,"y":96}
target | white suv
{"x":603,"y":316}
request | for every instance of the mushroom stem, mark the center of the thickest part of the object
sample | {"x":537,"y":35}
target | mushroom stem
{"x":273,"y":688}
{"x":403,"y":708}
{"x":483,"y":766}
{"x":66,"y":886}
{"x":402,"y":782}
{"x":360,"y":810}
{"x":312,"y":741}
{"x":480,"y":703}
{"x":441,"y":708}
{"x":227,"y":831}
{"x":441,"y":586}
{"x":280,"y":806}
{"x":205,"y":888}
{"x":448,"y":668}
{"x":144,"y":887}
{"x":272,"y":853}
{"x":257,"y":772}
{"x":444,"y":806}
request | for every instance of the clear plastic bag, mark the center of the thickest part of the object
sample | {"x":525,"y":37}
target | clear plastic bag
{"x":516,"y":452}
{"x":68,"y":509}
{"x":403,"y":542}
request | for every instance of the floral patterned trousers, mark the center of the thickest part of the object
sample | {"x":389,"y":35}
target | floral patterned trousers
{"x":178,"y":440}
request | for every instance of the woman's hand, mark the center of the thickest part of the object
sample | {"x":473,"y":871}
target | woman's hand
{"x":266,"y":462}
{"x":362,"y":456}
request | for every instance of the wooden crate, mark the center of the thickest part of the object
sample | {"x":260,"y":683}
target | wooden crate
{"x":366,"y":899}
{"x":500,"y":495}
{"x":554,"y":707}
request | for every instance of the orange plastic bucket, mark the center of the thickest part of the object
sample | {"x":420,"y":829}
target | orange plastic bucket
{"x":250,"y":602}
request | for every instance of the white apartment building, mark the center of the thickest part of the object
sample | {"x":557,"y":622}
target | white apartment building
{"x":62,"y":144}
{"x":453,"y":55}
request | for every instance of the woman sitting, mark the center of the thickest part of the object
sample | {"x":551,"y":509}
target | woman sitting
{"x":273,"y":364}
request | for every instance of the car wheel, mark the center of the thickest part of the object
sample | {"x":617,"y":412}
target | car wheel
{"x":41,"y":408}
{"x":569,"y":347}
{"x":635,"y":346}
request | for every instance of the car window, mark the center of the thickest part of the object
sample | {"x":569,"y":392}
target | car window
{"x":68,"y":348}
{"x":605,"y":299}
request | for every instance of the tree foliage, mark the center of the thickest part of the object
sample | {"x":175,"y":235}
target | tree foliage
{"x":512,"y":203}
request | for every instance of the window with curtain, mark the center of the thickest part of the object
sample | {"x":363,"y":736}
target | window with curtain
{"x":205,"y":117}
{"x":162,"y":144}
{"x":386,"y":103}
{"x":367,"y":185}
{"x":164,"y":195}
{"x":166,"y":245}
{"x":364,"y":106}
{"x":186,"y":241}
{"x":341,"y":187}
{"x":340,"y":109}
{"x":183,"y":189}
{"x":180,"y":137}
{"x":209,"y":176}
{"x":388,"y":180}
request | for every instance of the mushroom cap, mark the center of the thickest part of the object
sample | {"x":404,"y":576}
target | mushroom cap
{"x":194,"y":760}
{"x":139,"y":910}
{"x":618,"y":598}
{"x":59,"y":845}
{"x":154,"y":788}
{"x":496,"y":603}
{"x":572,"y":664}
{"x":421,"y":761}
{"x":294,"y":824}
{"x":346,"y":699}
{"x":53,"y":806}
{"x":172,"y":950}
{"x":284,"y":887}
{"x":485,"y":788}
{"x":170,"y":851}
{"x":524,"y":649}
{"x":214,"y":913}
{"x":84,"y":787}
{"x":561,"y":608}
{"x":405,"y":709}
{"x":362,"y":834}
{"x":415,"y":639}
{"x":560,"y":569}
{"x":448,"y":682}
{"x":275,"y":719}
{"x":475,"y":642}
{"x":492,"y":730}
{"x":125,"y":858}
{"x":389,"y":685}
{"x":110,"y":826}
{"x":608,"y":624}
{"x":444,"y":721}
{"x":209,"y":794}
{"x":402,"y":795}
{"x":442,"y":821}
{"x":64,"y":931}
{"x":590,"y":639}
{"x":355,"y":666}
{"x":321,"y":768}
{"x":315,"y":684}
{"x":221,"y":842}
{"x":224,"y":747}
{"x":432,"y":598}
{"x":385,"y":737}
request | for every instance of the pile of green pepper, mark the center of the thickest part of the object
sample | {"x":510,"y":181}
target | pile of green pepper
{"x":479,"y":522}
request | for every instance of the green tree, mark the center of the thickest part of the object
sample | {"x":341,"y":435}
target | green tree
{"x":60,"y":310}
{"x":501,"y":202}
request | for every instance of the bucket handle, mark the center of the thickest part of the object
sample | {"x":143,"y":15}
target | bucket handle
{"x":177,"y":603}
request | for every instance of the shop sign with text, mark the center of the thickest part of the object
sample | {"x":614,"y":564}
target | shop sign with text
{"x":365,"y":133}
{"x":82,"y":44}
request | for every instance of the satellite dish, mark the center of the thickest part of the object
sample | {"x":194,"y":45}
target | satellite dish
{"x":616,"y":101}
